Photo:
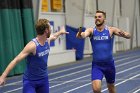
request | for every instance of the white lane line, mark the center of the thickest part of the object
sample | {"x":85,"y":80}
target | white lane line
{"x":13,"y":90}
{"x":90,"y":68}
{"x":128,"y":69}
{"x":128,"y":62}
{"x":9,"y":84}
{"x":69,"y":81}
{"x":49,"y":74}
{"x":72,"y":69}
{"x":123,"y":81}
{"x":118,"y":72}
{"x":137,"y":91}
{"x":70,"y":74}
{"x":88,"y":65}
{"x":90,"y":83}
{"x":77,"y":88}
{"x":57,"y":84}
{"x":69,"y":69}
{"x":76,"y":78}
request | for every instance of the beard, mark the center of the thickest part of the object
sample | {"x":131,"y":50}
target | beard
{"x":47,"y":35}
{"x":99,"y":23}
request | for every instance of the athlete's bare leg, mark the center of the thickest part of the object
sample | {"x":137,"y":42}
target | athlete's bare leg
{"x":111,"y":88}
{"x":96,"y":86}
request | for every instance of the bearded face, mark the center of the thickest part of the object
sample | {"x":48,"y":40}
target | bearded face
{"x":48,"y":35}
{"x":99,"y":22}
{"x":99,"y":19}
{"x":47,"y":32}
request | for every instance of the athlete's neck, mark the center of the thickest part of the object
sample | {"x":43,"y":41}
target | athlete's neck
{"x":41,"y":39}
{"x":100,"y":28}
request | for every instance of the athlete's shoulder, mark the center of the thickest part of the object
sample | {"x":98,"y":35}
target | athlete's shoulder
{"x":31,"y":46}
{"x":112,"y":28}
{"x":90,"y":29}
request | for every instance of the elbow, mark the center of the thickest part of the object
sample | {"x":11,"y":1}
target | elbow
{"x":128,"y":37}
{"x":79,"y":36}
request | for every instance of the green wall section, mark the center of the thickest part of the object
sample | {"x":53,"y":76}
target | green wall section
{"x":28,"y":25}
{"x":16,"y":30}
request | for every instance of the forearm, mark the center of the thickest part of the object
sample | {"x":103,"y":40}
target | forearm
{"x":9,"y":68}
{"x":57,"y":34}
{"x":126,"y":34}
{"x":54,"y":36}
{"x":83,"y":35}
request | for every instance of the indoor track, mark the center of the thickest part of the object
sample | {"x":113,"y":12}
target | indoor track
{"x":76,"y":77}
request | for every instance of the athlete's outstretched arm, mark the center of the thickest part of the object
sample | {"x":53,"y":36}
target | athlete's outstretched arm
{"x":85,"y":34}
{"x":29,"y":48}
{"x":121,"y":33}
{"x":57,"y":34}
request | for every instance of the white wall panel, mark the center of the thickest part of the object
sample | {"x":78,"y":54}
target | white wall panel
{"x":123,"y":44}
{"x":138,"y":30}
{"x":75,"y":12}
{"x":108,"y":7}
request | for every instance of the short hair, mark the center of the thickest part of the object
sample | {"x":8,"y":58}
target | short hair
{"x":100,"y":11}
{"x":41,"y":25}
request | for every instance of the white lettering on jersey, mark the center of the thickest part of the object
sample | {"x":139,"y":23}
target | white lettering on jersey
{"x":44,"y":53}
{"x":100,"y":37}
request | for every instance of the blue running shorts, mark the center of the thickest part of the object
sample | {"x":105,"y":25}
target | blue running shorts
{"x":103,"y":69}
{"x":36,"y":86}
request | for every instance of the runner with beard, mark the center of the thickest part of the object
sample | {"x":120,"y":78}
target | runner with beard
{"x":35,"y":77}
{"x":101,"y":37}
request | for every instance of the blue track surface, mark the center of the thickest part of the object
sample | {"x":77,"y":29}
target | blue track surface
{"x":76,"y":77}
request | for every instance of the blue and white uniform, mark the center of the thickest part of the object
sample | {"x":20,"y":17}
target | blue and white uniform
{"x":35,"y":79}
{"x":103,"y":62}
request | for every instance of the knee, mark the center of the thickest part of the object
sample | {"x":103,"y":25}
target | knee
{"x":96,"y":85}
{"x":111,"y":88}
{"x":96,"y":89}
